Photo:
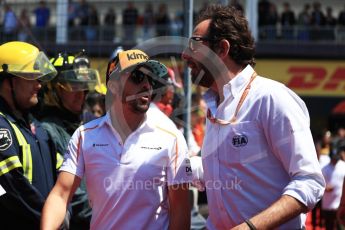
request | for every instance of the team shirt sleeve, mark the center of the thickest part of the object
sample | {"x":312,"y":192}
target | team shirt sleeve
{"x":73,"y":157}
{"x":286,"y":125}
{"x":179,"y":170}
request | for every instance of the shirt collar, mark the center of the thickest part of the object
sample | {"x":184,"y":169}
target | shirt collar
{"x":232,"y":88}
{"x":238,"y":83}
{"x":147,"y":124}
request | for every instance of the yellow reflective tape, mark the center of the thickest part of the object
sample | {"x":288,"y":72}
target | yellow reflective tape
{"x":59,"y":160}
{"x":9,"y":164}
{"x":27,"y":162}
{"x":59,"y":61}
{"x":26,"y":151}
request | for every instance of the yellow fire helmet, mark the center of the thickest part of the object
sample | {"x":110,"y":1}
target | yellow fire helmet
{"x":24,"y":60}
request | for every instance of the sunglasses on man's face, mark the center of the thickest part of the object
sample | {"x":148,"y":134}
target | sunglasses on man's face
{"x":137,"y":77}
{"x":196,"y":41}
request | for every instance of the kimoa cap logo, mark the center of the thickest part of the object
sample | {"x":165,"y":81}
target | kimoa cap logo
{"x":134,"y":56}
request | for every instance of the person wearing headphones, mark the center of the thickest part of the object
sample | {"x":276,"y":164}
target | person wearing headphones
{"x":28,"y":159}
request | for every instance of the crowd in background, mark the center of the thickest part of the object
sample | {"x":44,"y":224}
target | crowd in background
{"x":85,"y":22}
{"x":314,"y":22}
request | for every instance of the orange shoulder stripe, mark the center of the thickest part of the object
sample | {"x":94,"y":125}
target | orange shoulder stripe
{"x":80,"y":137}
{"x":176,"y":146}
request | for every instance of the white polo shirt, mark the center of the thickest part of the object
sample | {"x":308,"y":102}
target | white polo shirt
{"x":267,"y":153}
{"x":127,"y":182}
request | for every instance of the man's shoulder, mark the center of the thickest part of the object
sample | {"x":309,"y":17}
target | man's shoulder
{"x":266,"y":87}
{"x":7,"y":138}
{"x":92,"y":125}
{"x":157,"y":117}
{"x":269,"y":84}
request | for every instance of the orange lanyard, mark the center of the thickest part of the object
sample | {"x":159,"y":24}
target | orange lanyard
{"x":234,"y":118}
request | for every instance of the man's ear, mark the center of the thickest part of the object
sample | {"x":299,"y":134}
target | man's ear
{"x":224,"y":48}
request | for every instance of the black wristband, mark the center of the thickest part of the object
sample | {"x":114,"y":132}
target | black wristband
{"x":250,"y":225}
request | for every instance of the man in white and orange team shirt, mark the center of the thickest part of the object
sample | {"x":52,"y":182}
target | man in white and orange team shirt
{"x":136,"y":172}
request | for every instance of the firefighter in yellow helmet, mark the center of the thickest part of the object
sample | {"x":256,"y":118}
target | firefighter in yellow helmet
{"x":64,"y":99}
{"x":28,"y":158}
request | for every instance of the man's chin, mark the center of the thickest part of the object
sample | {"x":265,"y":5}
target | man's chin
{"x":32,"y":102}
{"x":142,"y":108}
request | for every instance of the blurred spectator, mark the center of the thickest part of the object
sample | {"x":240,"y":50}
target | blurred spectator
{"x":317,"y":20}
{"x":304,"y":20}
{"x":148,"y":21}
{"x":198,"y":118}
{"x":317,"y":16}
{"x":92,"y":23}
{"x":42,"y":13}
{"x":94,"y":107}
{"x":341,"y":17}
{"x":24,"y":25}
{"x":330,"y":22}
{"x":264,"y":8}
{"x":236,"y":5}
{"x":82,"y":12}
{"x":129,"y":21}
{"x":109,"y":23}
{"x":339,"y":135}
{"x":177,"y":25}
{"x":72,"y":13}
{"x":324,"y":148}
{"x":272,"y":20}
{"x":287,"y":21}
{"x":162,"y":21}
{"x":110,"y":17}
{"x":334,"y":174}
{"x":10,"y":23}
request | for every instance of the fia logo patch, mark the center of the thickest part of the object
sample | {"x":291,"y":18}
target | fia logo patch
{"x":239,"y":140}
{"x":5,"y":139}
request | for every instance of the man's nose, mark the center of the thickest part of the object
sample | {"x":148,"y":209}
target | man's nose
{"x":185,"y":54}
{"x":146,"y":83}
{"x":38,"y":85}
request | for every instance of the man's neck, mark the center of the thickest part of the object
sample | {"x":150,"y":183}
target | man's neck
{"x":125,"y":122}
{"x":217,"y":87}
{"x":11,"y":105}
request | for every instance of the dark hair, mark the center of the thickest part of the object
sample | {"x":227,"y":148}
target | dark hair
{"x":3,"y":76}
{"x":229,"y":23}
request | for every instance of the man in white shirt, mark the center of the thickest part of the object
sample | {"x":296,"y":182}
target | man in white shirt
{"x":136,"y":172}
{"x":260,"y":166}
{"x":334,"y":173}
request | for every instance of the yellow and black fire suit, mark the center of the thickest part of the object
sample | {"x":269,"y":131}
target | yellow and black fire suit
{"x":28,"y":164}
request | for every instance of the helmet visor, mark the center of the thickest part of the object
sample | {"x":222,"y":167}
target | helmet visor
{"x":39,"y":68}
{"x":78,"y":79}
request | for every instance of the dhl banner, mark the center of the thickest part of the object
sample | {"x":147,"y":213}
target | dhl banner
{"x":307,"y":77}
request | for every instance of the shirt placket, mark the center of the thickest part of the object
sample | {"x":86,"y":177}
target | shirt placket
{"x":216,"y":167}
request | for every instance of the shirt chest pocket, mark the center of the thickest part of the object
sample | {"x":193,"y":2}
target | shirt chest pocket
{"x":246,"y":142}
